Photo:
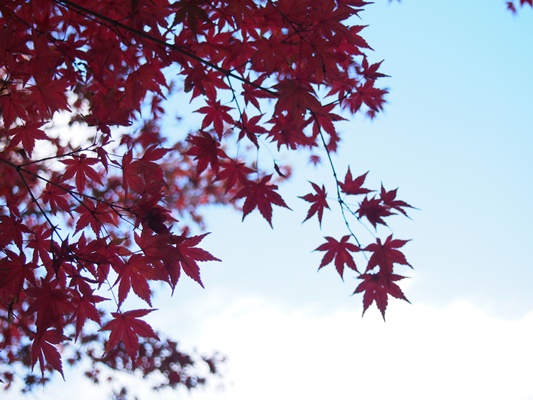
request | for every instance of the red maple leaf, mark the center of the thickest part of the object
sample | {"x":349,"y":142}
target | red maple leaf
{"x":27,"y":134}
{"x":157,"y":247}
{"x":86,"y":308}
{"x":191,"y":13}
{"x":14,"y":105}
{"x":251,"y":93}
{"x":134,"y":274}
{"x":126,"y":328}
{"x":151,"y":215}
{"x":81,"y":168}
{"x":288,"y":130}
{"x":234,"y":173}
{"x":260,"y":195}
{"x":340,"y":252}
{"x":216,"y":114}
{"x":374,"y":211}
{"x":200,"y":81}
{"x":51,"y":302}
{"x":370,"y":71}
{"x":146,"y":77}
{"x":377,"y":287}
{"x":95,"y":216}
{"x":56,"y":196}
{"x":206,"y":150}
{"x":191,"y":255}
{"x":91,"y":259}
{"x":367,"y":94}
{"x":12,"y":231}
{"x":144,"y":174}
{"x":389,"y":199}
{"x":324,"y":120}
{"x":354,"y":186}
{"x":49,"y":95}
{"x":386,"y":254}
{"x":131,"y":174}
{"x":154,"y":153}
{"x":296,"y":96}
{"x":40,"y":243}
{"x":44,"y":351}
{"x":318,"y":202}
{"x":14,"y":272}
{"x":250,"y":128}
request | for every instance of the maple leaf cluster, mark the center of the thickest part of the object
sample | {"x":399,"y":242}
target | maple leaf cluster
{"x":108,"y":204}
{"x":378,"y":276}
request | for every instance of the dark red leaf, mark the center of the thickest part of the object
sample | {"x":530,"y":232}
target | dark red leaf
{"x":354,"y":186}
{"x":44,"y":351}
{"x":384,"y":255}
{"x":191,"y":255}
{"x":339,"y":252}
{"x":389,"y":199}
{"x":126,"y":328}
{"x":318,"y":202}
{"x":374,"y":210}
{"x":377,"y":287}
{"x":80,"y":168}
{"x":262,"y":196}
{"x":206,"y":150}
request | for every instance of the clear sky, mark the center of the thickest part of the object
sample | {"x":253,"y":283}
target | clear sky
{"x":456,"y":137}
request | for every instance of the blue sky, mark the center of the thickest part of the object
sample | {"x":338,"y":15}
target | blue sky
{"x":456,"y":137}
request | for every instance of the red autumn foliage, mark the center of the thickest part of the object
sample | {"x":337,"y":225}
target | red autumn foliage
{"x":108,"y":204}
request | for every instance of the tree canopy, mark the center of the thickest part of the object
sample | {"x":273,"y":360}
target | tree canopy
{"x":100,"y":201}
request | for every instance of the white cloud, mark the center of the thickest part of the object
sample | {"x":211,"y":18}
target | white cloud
{"x":457,"y":352}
